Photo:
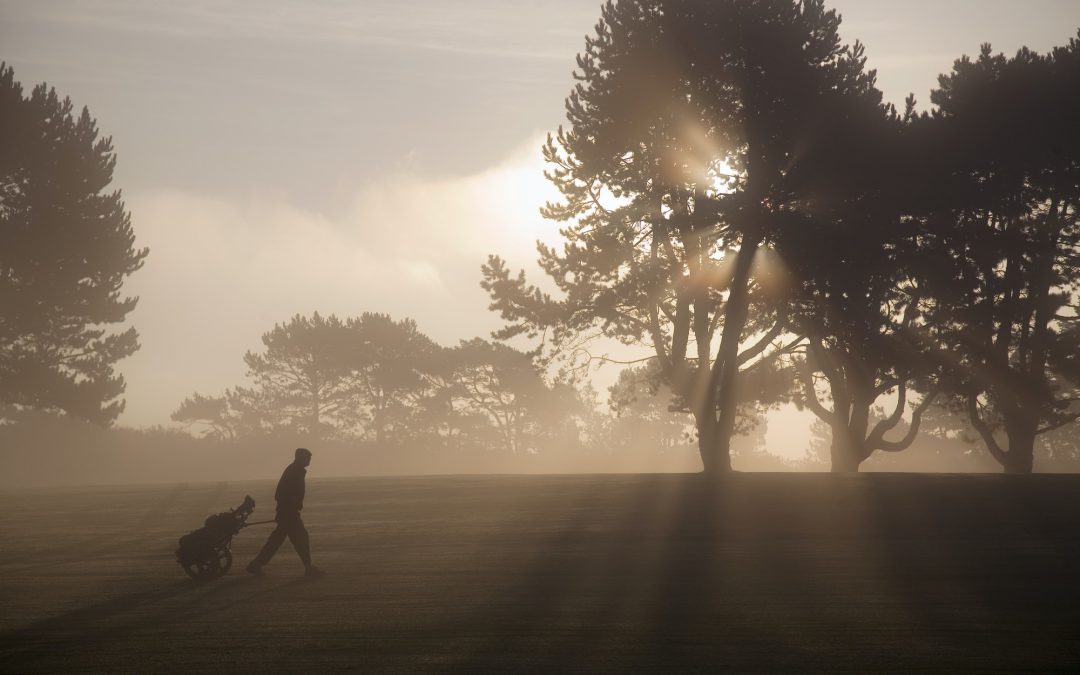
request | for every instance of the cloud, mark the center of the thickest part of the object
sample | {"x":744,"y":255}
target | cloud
{"x":223,"y":271}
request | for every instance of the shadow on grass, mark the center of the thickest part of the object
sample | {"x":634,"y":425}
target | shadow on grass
{"x":639,"y":574}
{"x":635,"y":591}
{"x":120,"y":541}
{"x":982,"y":565}
{"x":141,"y":612}
{"x":857,"y":572}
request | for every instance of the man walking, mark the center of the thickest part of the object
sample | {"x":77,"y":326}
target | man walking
{"x":290,"y":501}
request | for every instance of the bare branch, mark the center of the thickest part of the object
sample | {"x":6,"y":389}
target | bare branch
{"x":1060,"y":423}
{"x":913,"y":430}
{"x":764,"y":342}
{"x":984,"y":430}
{"x":812,"y":401}
{"x":878,"y":434}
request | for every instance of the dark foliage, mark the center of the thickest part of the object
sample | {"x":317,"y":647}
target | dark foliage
{"x":66,"y":246}
{"x":1003,"y":230}
{"x":698,"y":132}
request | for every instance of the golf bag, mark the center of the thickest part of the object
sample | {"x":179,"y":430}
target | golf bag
{"x":205,"y":553}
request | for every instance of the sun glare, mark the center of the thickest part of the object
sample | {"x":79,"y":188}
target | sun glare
{"x":520,"y":190}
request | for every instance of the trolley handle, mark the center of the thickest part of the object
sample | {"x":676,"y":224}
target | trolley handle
{"x":260,"y":522}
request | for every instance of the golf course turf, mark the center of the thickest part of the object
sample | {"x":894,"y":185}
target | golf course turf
{"x":550,"y":574}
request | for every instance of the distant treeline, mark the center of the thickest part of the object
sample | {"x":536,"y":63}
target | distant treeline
{"x":373,"y":378}
{"x":382,"y":382}
{"x":40,"y":448}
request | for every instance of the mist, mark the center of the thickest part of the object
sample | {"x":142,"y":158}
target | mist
{"x":641,"y":336}
{"x":345,"y":161}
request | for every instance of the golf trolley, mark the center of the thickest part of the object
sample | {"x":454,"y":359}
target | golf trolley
{"x":205,"y":553}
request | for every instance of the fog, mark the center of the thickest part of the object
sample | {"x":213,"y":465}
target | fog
{"x":282,"y":159}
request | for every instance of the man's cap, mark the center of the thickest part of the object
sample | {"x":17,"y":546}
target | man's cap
{"x":302,"y":452}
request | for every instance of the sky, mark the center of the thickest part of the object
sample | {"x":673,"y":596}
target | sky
{"x":284,"y":157}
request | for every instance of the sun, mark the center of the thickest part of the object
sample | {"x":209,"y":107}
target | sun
{"x":519,"y":189}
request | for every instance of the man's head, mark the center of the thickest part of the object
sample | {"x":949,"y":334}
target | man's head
{"x":303,"y":456}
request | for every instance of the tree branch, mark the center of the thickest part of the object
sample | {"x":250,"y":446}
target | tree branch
{"x":885,"y":386}
{"x":913,"y":430}
{"x":878,"y":434}
{"x":1060,"y":423}
{"x":764,"y":342}
{"x":984,"y":430}
{"x":812,"y":401}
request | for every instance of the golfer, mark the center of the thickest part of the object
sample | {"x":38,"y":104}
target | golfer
{"x":290,"y":501}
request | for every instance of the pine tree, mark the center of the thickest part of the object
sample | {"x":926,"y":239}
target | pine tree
{"x":66,"y":247}
{"x":693,"y":130}
{"x":1003,"y":243}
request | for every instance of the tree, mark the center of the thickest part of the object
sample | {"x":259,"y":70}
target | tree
{"x":644,"y":415}
{"x":66,"y":247}
{"x":1059,"y":450}
{"x":393,"y":364}
{"x":1004,"y":243}
{"x":239,"y":412}
{"x":502,"y":385}
{"x":305,"y":377}
{"x":691,"y":128}
{"x":854,"y":264}
{"x":324,"y":376}
{"x":210,"y":411}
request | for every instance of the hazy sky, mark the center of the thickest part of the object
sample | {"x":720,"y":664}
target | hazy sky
{"x":282,"y":157}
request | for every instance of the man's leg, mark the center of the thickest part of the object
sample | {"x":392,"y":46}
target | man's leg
{"x":273,"y":543}
{"x":298,"y":535}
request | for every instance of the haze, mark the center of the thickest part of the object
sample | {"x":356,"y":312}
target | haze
{"x":286,"y":157}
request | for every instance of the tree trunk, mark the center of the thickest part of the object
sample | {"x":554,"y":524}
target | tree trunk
{"x":714,"y":447}
{"x":705,"y":424}
{"x":1021,"y":432}
{"x":727,"y":370}
{"x":844,"y":451}
{"x":721,"y":451}
{"x":1021,"y":456}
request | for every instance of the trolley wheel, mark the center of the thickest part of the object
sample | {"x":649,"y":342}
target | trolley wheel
{"x":204,"y":569}
{"x":224,"y":561}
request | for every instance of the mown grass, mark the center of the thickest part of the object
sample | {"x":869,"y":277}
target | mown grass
{"x":648,"y":573}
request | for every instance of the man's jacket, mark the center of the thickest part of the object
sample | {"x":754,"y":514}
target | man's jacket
{"x":290,"y":489}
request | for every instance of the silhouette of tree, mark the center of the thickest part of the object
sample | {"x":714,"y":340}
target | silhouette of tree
{"x":479,"y":394}
{"x":1059,"y":450}
{"x":854,"y":265}
{"x":648,"y":421}
{"x":1003,"y":245}
{"x":819,"y":448}
{"x":502,"y":385}
{"x":66,"y":246}
{"x":383,"y":378}
{"x":391,"y":362}
{"x":211,"y":411}
{"x":304,"y":378}
{"x":239,"y":412}
{"x":692,"y":128}
{"x":644,"y":415}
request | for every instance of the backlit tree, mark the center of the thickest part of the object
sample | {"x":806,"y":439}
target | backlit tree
{"x":66,"y":247}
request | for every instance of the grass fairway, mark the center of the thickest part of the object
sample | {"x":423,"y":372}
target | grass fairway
{"x":651,"y":573}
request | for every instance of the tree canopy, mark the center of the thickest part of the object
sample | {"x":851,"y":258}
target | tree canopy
{"x":376,"y":378}
{"x":698,"y":132}
{"x":737,"y":198}
{"x":1002,"y":237}
{"x":66,"y":247}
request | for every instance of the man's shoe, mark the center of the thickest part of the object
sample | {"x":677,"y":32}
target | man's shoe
{"x":314,"y":572}
{"x":255,"y":570}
